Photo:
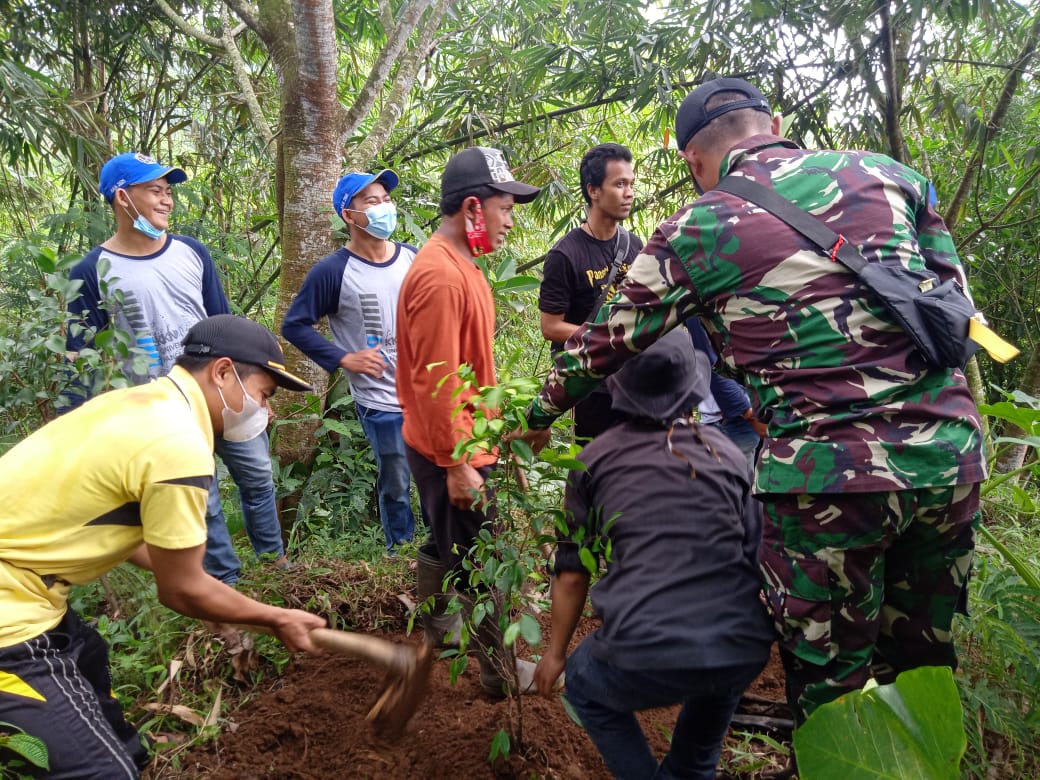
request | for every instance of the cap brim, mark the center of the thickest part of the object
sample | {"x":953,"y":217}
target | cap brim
{"x":522,"y":193}
{"x":174,"y":175}
{"x":289,"y":381}
{"x":387,"y":178}
{"x":171,"y":173}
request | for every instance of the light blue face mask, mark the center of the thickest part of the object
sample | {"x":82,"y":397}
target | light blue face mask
{"x":382,"y":219}
{"x":142,"y":224}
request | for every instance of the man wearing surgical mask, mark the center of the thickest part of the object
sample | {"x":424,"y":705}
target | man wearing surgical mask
{"x":356,"y":288}
{"x":124,"y":477}
{"x":155,"y":285}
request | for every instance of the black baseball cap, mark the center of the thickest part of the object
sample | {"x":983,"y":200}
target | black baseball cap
{"x":245,"y":341}
{"x":482,"y":165}
{"x":692,"y":118}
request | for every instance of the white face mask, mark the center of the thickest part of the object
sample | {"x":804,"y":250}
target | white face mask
{"x":246,"y":424}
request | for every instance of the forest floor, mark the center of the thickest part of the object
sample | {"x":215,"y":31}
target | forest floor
{"x":309,"y":723}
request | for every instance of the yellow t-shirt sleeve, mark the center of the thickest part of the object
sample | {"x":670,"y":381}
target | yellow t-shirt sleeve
{"x":174,"y":475}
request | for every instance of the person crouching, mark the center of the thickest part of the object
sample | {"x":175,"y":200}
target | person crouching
{"x":666,"y":503}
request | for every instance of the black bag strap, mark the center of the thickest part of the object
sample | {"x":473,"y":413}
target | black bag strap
{"x":837,"y":246}
{"x":620,"y":253}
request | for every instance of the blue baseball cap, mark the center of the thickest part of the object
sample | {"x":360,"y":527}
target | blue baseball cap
{"x":351,"y":184}
{"x":125,"y":170}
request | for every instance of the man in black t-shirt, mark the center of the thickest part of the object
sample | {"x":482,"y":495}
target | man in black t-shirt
{"x":579,"y":266}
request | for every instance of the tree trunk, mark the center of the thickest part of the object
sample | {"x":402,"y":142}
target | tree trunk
{"x":300,"y":36}
{"x":892,"y":106}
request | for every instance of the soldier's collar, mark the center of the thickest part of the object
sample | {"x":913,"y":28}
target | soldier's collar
{"x":749,"y":146}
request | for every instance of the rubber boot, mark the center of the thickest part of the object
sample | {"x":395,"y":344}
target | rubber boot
{"x":501,"y":673}
{"x":441,"y":630}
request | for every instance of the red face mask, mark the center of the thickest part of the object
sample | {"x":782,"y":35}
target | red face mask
{"x":476,"y":232}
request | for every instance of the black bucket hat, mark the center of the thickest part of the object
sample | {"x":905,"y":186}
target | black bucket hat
{"x":663,"y":383}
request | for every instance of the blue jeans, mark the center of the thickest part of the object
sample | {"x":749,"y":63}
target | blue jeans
{"x":249,"y":463}
{"x":606,"y":699}
{"x":744,"y":436}
{"x":383,"y":431}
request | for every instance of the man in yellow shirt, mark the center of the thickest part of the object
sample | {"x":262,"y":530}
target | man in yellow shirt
{"x":124,"y":477}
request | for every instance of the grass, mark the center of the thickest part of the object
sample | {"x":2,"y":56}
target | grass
{"x":1000,"y":652}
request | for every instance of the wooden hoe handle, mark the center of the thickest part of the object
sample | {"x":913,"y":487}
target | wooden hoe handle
{"x":394,"y":658}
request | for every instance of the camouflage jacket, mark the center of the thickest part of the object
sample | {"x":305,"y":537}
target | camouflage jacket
{"x":850,"y":403}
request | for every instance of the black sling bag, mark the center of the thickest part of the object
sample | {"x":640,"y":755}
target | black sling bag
{"x":935,"y":314}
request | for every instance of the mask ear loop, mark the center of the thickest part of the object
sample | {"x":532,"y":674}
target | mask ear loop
{"x":131,"y":202}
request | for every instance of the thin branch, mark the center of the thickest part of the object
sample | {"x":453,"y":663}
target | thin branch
{"x":396,"y":40}
{"x":229,"y":49}
{"x":991,"y":223}
{"x":188,"y":29}
{"x":973,"y":63}
{"x":501,"y":128}
{"x":404,"y":80}
{"x":996,"y":121}
{"x":245,"y":84}
{"x":259,"y":293}
{"x":249,"y":16}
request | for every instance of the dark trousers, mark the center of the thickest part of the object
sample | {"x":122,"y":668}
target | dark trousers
{"x":60,"y":691}
{"x":454,"y":530}
{"x":864,"y":584}
{"x":606,"y":699}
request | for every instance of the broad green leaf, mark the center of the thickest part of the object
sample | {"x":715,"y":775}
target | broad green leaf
{"x":56,"y":344}
{"x":911,"y":728}
{"x":530,"y":629}
{"x":1022,"y":416}
{"x":569,"y":709}
{"x":588,"y":559}
{"x":30,"y":748}
{"x":510,"y":634}
{"x":500,"y":745}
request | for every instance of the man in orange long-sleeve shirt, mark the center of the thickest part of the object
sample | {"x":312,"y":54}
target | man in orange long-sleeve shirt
{"x":446,"y":317}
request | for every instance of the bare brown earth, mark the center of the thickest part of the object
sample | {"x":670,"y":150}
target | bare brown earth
{"x":311,"y":724}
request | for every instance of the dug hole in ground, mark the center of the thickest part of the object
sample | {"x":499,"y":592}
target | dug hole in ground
{"x":310,"y":724}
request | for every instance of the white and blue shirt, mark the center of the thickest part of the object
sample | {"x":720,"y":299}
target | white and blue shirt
{"x":359,"y":298}
{"x":156,"y":297}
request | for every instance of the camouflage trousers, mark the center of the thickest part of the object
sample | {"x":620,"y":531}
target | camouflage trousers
{"x":864,"y":584}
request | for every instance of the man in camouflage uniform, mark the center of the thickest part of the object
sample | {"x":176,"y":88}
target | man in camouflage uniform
{"x":869,"y":474}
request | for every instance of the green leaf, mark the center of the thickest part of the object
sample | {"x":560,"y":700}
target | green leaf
{"x":522,"y":450}
{"x":499,"y":745}
{"x":56,"y":344}
{"x":1022,"y":416}
{"x":588,"y":559}
{"x":910,"y":728}
{"x":530,"y":629}
{"x":31,"y":748}
{"x":571,"y":712}
{"x":510,"y":634}
{"x":518,"y":284}
{"x":1018,"y":564}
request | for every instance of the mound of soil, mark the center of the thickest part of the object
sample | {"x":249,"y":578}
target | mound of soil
{"x":311,"y":726}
